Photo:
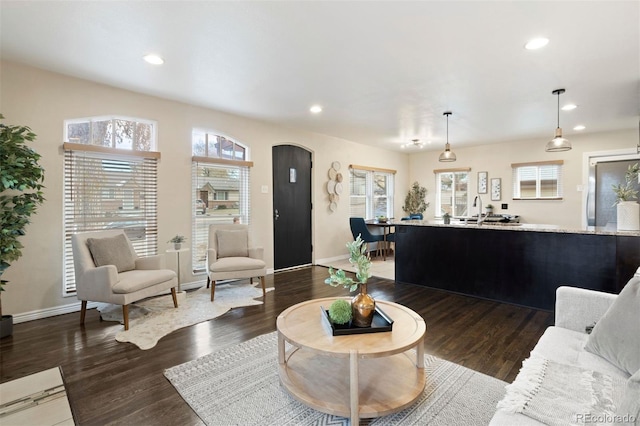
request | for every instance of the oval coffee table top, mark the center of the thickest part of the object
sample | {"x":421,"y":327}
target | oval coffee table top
{"x":303,"y":326}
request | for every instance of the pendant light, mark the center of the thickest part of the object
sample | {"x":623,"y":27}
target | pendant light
{"x":447,"y":155}
{"x":558,"y":143}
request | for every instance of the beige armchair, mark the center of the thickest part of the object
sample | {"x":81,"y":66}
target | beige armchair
{"x":108,"y":270}
{"x":230,"y":255}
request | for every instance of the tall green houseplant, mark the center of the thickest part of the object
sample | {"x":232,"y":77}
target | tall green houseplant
{"x":414,"y":202}
{"x":21,"y":179}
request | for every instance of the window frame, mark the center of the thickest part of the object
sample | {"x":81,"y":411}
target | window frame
{"x":557,"y":165}
{"x":113,"y":118}
{"x":439,"y":173}
{"x":242,"y":167}
{"x":370,"y":196}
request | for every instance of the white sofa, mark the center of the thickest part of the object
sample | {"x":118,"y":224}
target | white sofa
{"x":564,"y":343}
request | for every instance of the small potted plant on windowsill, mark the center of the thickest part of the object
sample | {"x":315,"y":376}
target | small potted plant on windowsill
{"x":177,"y":241}
{"x":446,"y":218}
{"x":489,"y":209}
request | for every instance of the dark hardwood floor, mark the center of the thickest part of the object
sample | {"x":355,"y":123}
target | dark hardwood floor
{"x":111,"y":383}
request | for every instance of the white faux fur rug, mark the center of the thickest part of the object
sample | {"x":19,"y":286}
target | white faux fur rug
{"x":152,"y":319}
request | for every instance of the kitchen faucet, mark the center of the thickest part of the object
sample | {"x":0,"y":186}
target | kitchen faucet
{"x":478,"y":201}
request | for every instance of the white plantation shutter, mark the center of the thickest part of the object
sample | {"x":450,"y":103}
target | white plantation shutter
{"x":108,"y":190}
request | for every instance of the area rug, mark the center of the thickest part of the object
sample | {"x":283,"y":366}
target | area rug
{"x":239,"y":385}
{"x":152,"y":319}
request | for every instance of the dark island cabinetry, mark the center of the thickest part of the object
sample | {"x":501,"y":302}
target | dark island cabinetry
{"x":521,"y":266}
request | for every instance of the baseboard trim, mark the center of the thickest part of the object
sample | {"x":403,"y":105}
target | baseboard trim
{"x":323,"y":262}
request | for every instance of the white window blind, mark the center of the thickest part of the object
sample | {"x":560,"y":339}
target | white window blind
{"x":223,"y":190}
{"x":533,"y":181}
{"x":106,"y":190}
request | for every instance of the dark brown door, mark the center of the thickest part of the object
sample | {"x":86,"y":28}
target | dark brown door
{"x":291,"y":206}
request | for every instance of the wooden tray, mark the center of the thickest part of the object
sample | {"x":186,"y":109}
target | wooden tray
{"x":381,"y":322}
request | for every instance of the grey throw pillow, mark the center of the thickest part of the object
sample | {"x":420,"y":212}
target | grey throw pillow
{"x":616,"y":336}
{"x":233,"y":243}
{"x":112,"y":251}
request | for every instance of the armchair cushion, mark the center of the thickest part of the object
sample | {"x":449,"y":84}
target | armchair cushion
{"x":132,"y":281}
{"x":232,"y":264}
{"x":616,"y":336}
{"x":232,"y":243}
{"x":112,"y":251}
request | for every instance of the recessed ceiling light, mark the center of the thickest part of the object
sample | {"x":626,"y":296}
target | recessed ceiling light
{"x":315,"y":109}
{"x":569,"y":107}
{"x":536,"y":43}
{"x":579,"y":127}
{"x":154,"y":59}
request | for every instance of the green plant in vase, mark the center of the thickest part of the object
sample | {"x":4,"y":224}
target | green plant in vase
{"x":177,"y":241}
{"x":362,"y":305}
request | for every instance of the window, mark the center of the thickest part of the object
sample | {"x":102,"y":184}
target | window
{"x":370,"y":192}
{"x":220,"y":188}
{"x":107,"y":188}
{"x":112,"y":132}
{"x":537,"y":181}
{"x":452,"y":192}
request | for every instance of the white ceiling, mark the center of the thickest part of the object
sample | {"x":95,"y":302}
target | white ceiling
{"x":383,"y":71}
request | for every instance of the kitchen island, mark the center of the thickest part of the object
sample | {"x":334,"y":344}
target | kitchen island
{"x":522,"y":264}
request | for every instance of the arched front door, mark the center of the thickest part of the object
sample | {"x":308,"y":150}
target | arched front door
{"x":291,"y":206}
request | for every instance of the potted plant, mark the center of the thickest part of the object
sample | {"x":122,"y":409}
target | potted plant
{"x":340,"y":313}
{"x":414,"y":202}
{"x":362,"y":305}
{"x":489,"y":209}
{"x":447,"y":218}
{"x":628,"y":210}
{"x":21,"y":187}
{"x":177,"y":241}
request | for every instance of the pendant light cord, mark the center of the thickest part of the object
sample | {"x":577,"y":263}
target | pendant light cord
{"x":558,"y":110}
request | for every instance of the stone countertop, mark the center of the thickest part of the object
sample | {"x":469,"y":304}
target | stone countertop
{"x":456,"y":223}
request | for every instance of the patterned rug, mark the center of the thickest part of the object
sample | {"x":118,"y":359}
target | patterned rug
{"x":152,"y":319}
{"x":239,"y":385}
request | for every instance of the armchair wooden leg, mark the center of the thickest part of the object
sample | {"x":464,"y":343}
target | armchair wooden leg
{"x":174,"y":296}
{"x":125,"y":316}
{"x":83,"y":311}
{"x":264,"y":292}
{"x":208,"y":281}
{"x":213,"y":289}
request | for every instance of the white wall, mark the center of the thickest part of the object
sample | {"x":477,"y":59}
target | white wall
{"x":496,"y":159}
{"x":43,"y":100}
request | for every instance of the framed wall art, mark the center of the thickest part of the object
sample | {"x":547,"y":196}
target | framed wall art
{"x":482,"y":182}
{"x":496,"y":189}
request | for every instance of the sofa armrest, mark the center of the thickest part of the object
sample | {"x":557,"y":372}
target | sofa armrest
{"x":577,"y":308}
{"x":151,"y":262}
{"x":256,"y":253}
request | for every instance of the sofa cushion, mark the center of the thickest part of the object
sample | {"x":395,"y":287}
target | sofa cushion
{"x":629,"y":408}
{"x":616,"y":336}
{"x":112,"y":251}
{"x":232,"y":243}
{"x":567,"y":347}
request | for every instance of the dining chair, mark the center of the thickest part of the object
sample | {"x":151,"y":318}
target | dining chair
{"x":359,"y":227}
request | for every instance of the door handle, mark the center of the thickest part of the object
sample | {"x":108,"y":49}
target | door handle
{"x":276,"y":215}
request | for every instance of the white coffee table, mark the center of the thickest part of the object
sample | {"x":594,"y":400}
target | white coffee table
{"x":358,"y":375}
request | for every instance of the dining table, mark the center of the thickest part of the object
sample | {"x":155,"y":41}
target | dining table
{"x":386,"y":226}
